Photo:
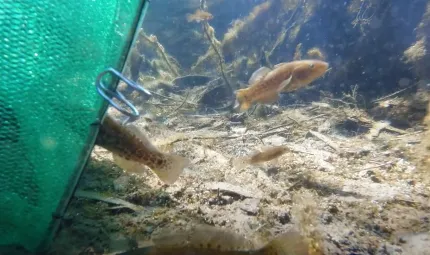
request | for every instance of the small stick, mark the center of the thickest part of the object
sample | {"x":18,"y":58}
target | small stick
{"x":203,"y":138}
{"x":180,"y":106}
{"x":393,"y":94}
{"x":325,"y":139}
{"x":110,"y":200}
{"x":171,"y":98}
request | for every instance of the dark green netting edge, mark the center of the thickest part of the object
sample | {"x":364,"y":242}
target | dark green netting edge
{"x":86,"y":153}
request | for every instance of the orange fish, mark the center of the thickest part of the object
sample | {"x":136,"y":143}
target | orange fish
{"x":266,"y":84}
{"x":215,"y":241}
{"x":259,"y":157}
{"x":199,"y":15}
{"x":132,"y":151}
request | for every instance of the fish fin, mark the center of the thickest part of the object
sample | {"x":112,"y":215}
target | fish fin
{"x":142,"y":137}
{"x":198,"y":235}
{"x":167,"y":173}
{"x":128,"y":165}
{"x":269,"y":98}
{"x":245,"y":106}
{"x":280,"y":64}
{"x":259,"y":74}
{"x":172,"y":169}
{"x":274,"y":162}
{"x":241,"y":100}
{"x":240,"y":162}
{"x":288,"y":243}
{"x":190,"y":17}
{"x":284,"y":84}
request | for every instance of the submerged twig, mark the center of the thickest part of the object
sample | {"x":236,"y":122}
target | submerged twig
{"x":325,"y":139}
{"x":283,"y":33}
{"x":154,"y":41}
{"x":393,"y":94}
{"x":110,"y":200}
{"x":180,"y":106}
{"x":171,"y":98}
{"x":220,"y":58}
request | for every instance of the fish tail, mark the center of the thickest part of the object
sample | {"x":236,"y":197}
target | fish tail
{"x":289,"y":243}
{"x":190,"y":17}
{"x":241,"y":100}
{"x":172,"y":168}
{"x":240,"y":162}
{"x":168,"y":172}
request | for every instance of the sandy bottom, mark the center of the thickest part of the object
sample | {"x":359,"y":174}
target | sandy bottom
{"x":351,"y":192}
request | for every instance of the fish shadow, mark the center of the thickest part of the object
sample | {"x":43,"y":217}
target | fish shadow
{"x":323,"y":190}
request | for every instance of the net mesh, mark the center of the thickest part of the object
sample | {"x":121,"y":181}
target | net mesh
{"x":50,"y":54}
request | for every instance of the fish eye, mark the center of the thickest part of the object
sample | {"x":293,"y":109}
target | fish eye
{"x":311,"y":65}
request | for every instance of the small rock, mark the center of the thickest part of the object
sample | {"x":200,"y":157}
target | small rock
{"x":228,"y":199}
{"x":250,"y":206}
{"x":375,"y":179}
{"x":149,"y":229}
{"x":121,"y":183}
{"x":370,"y":173}
{"x":272,"y":171}
{"x":389,"y":249}
{"x":275,"y":140}
{"x":238,"y":118}
{"x":238,"y":130}
{"x":411,"y":182}
{"x":333,"y":209}
{"x":325,"y":166}
{"x":327,"y":219}
{"x":233,"y":190}
{"x":284,"y":218}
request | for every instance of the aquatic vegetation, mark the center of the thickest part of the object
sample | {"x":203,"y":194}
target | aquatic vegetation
{"x":315,"y":53}
{"x":305,"y":213}
{"x":154,"y":40}
{"x":298,"y":52}
{"x":418,"y":54}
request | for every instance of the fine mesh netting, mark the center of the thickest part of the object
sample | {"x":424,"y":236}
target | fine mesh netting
{"x":50,"y":55}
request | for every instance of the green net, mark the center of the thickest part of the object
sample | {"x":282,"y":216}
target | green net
{"x":50,"y":54}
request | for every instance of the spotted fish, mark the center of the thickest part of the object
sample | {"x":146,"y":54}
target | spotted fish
{"x":132,"y":151}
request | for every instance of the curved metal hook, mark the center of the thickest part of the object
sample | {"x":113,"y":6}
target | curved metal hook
{"x":108,"y":94}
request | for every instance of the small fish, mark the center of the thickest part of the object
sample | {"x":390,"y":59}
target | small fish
{"x":199,"y":15}
{"x":266,"y":84}
{"x":132,"y":150}
{"x":211,"y":241}
{"x":259,"y":157}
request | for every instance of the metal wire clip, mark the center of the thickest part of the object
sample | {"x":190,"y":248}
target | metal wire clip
{"x":108,"y":94}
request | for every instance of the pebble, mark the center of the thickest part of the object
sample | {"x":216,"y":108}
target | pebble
{"x":284,"y":217}
{"x":250,"y":206}
{"x":121,"y":183}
